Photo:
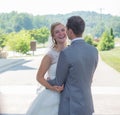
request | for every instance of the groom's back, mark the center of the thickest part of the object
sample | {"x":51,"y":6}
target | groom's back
{"x":82,"y":60}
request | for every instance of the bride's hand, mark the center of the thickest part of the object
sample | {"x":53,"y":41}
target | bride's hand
{"x":59,"y":88}
{"x":48,"y":78}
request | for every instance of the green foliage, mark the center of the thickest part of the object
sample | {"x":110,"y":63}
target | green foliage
{"x":95,"y":43}
{"x":41,"y":35}
{"x":95,"y":25}
{"x":19,"y":42}
{"x":111,"y":33}
{"x":2,"y":40}
{"x":99,"y":29}
{"x":89,"y":39}
{"x":23,"y":46}
{"x":112,"y":57}
{"x":106,"y":42}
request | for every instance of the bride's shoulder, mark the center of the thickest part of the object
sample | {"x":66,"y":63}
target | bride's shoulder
{"x":50,"y":52}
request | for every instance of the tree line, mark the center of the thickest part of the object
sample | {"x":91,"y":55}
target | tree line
{"x":15,"y":22}
{"x":18,"y":30}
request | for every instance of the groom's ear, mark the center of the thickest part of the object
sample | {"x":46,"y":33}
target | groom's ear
{"x":70,"y":32}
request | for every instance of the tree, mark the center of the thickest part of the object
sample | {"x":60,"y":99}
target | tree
{"x":2,"y":40}
{"x":40,"y":35}
{"x":89,"y":39}
{"x":106,"y":42}
{"x":112,"y":36}
{"x":19,"y":42}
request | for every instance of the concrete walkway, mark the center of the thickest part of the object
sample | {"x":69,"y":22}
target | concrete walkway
{"x":105,"y":88}
{"x":8,"y":63}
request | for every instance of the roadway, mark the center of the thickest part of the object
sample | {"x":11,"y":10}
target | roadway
{"x":18,"y":88}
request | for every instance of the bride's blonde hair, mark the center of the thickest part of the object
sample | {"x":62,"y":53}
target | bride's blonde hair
{"x":52,"y":32}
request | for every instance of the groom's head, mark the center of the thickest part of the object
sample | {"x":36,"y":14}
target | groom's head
{"x":75,"y":27}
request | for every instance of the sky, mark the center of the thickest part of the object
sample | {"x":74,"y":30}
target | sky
{"x":44,"y":7}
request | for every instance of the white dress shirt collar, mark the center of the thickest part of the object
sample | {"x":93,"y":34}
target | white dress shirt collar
{"x":77,"y":39}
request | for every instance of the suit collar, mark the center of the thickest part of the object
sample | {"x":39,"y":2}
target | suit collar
{"x":77,"y":39}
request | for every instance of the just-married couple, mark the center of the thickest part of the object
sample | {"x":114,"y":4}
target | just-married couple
{"x":70,"y":72}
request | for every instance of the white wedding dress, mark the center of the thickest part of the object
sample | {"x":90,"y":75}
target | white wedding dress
{"x":47,"y":101}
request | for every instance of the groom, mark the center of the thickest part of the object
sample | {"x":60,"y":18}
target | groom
{"x":76,"y":66}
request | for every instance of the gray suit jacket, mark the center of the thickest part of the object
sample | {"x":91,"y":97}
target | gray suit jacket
{"x":75,"y":69}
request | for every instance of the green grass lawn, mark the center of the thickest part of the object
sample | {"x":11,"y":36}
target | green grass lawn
{"x":112,"y":57}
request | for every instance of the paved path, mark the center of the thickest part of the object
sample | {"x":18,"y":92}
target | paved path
{"x":105,"y":88}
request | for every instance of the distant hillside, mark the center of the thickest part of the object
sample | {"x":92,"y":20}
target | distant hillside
{"x":95,"y":23}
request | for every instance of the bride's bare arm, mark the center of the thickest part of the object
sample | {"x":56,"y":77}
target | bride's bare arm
{"x":44,"y":66}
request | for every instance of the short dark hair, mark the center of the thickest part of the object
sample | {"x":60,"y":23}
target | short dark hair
{"x":77,"y":24}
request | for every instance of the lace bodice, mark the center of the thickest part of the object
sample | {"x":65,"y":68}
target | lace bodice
{"x":54,"y":56}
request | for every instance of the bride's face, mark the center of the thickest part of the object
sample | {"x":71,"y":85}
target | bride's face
{"x":60,"y":33}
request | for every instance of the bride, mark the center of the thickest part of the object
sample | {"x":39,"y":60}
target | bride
{"x":47,"y":101}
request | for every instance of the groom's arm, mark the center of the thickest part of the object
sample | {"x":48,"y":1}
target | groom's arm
{"x":61,"y":71}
